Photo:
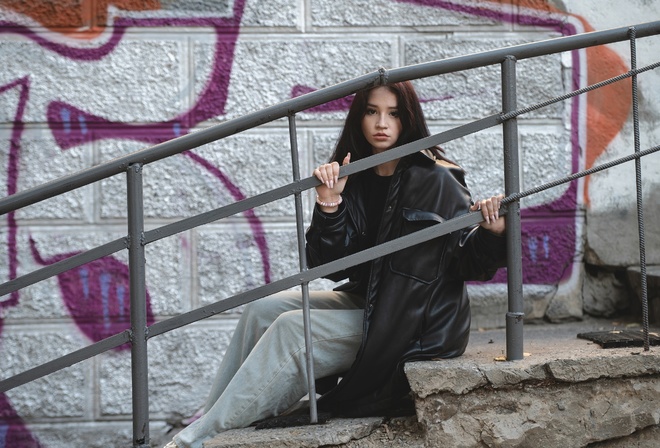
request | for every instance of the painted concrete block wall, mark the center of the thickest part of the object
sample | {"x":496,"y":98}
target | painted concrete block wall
{"x":82,"y":85}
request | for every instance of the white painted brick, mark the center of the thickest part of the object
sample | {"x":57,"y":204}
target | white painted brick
{"x":272,"y":13}
{"x":545,"y":157}
{"x":180,"y":187}
{"x":88,"y":434}
{"x":229,"y":261}
{"x":139,"y":81}
{"x":42,"y":300}
{"x":476,"y":93}
{"x":41,"y":160}
{"x":8,"y":110}
{"x":182,"y":364}
{"x":61,"y":394}
{"x":167,"y":275}
{"x":177,"y":8}
{"x":381,"y":13}
{"x":265,"y":70}
{"x":324,"y":145}
{"x":480,"y":155}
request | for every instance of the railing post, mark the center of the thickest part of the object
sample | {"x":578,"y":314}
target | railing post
{"x":138,"y":295}
{"x":302,"y":256}
{"x":515,"y":314}
{"x":638,"y":184}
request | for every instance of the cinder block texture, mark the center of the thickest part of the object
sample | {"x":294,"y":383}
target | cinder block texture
{"x":85,"y":83}
{"x":64,"y":394}
{"x":363,"y":13}
{"x":268,"y":71}
{"x":216,"y":174}
{"x":145,"y":74}
{"x":476,"y":93}
{"x":182,"y":365}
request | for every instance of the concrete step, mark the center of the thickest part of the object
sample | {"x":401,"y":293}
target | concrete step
{"x":566,"y":392}
{"x":373,"y":432}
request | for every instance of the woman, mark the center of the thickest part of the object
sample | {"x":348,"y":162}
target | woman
{"x":406,"y":306}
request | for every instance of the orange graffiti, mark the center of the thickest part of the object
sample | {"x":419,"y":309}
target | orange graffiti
{"x":82,"y":19}
{"x":607,"y":107}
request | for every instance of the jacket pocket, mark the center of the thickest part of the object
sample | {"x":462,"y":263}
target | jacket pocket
{"x":422,"y":261}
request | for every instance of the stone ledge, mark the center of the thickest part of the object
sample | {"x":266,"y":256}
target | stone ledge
{"x":544,"y":415}
{"x":460,"y":376}
{"x":566,"y":392}
{"x":335,"y":432}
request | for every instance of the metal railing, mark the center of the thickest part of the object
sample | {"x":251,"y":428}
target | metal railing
{"x":137,"y":238}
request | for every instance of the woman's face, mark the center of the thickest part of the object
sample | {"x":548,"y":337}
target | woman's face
{"x":381,"y":125}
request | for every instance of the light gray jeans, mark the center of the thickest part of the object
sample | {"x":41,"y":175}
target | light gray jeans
{"x":263,"y":372}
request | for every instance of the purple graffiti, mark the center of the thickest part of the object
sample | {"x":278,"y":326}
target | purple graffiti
{"x":560,"y":241}
{"x":13,"y":432}
{"x":23,"y":85}
{"x":96,"y":294}
{"x":559,"y":251}
{"x":340,"y":104}
{"x":72,"y":126}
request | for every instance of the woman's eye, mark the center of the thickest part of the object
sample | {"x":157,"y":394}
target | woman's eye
{"x":371,"y":111}
{"x":395,"y":113}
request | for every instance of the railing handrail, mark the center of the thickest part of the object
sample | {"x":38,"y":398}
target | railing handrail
{"x":312,"y":99}
{"x":132,"y":165}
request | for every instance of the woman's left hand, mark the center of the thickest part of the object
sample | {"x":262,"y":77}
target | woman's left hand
{"x":490,"y":209}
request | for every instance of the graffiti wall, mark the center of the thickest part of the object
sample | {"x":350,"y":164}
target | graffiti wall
{"x":84,"y":82}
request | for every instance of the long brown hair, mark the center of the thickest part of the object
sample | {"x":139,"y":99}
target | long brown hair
{"x":413,"y":123}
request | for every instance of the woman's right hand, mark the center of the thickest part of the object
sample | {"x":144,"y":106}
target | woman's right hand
{"x":331,"y":187}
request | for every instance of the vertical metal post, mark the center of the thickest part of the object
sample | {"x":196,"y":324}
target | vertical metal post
{"x":138,"y":295}
{"x":302,"y":256}
{"x":515,"y":314}
{"x":638,"y":180}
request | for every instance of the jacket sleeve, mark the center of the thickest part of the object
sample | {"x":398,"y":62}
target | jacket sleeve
{"x":477,"y":255}
{"x":330,"y":237}
{"x":473,"y":253}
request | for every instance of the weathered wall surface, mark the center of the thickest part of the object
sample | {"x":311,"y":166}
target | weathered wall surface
{"x":82,"y":83}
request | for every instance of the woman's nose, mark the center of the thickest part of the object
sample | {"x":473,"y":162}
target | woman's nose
{"x":382,"y":121}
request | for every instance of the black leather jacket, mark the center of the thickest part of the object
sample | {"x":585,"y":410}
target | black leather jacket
{"x":416,"y":301}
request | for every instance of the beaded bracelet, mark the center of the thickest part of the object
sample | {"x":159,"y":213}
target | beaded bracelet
{"x":328,"y":204}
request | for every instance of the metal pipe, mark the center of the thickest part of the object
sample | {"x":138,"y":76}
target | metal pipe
{"x":281,"y":110}
{"x":638,"y":184}
{"x":138,"y":295}
{"x":515,"y":314}
{"x":186,"y":142}
{"x":520,"y":52}
{"x":302,"y":257}
{"x":65,"y":361}
{"x":246,"y":204}
{"x":381,"y":250}
{"x":164,"y":326}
